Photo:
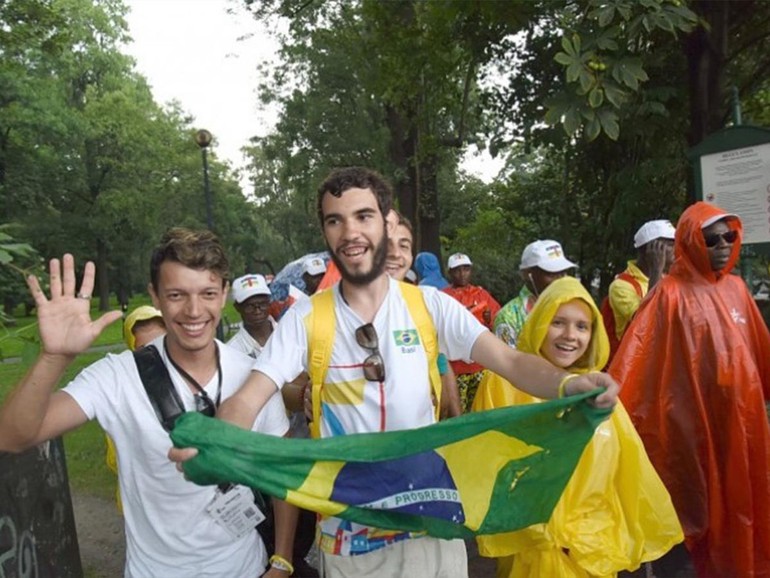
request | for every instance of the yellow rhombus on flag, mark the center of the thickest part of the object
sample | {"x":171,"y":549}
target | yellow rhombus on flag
{"x":481,"y":473}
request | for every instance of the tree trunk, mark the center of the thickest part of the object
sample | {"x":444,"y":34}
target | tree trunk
{"x":706,"y":50}
{"x":102,"y":276}
{"x":401,"y":150}
{"x":430,"y":221}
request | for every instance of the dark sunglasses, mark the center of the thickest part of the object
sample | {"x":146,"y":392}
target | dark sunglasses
{"x":255,"y":306}
{"x":374,"y":365}
{"x":205,"y":405}
{"x":713,"y":239}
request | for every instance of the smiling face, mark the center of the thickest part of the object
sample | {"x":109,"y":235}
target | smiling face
{"x":399,"y":259}
{"x":191,"y":301}
{"x":719,"y":254}
{"x":355,"y":234}
{"x":569,"y":334}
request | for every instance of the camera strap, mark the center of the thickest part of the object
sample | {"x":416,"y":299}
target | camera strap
{"x":157,"y":383}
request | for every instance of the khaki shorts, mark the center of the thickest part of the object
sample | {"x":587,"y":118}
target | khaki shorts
{"x":424,"y":557}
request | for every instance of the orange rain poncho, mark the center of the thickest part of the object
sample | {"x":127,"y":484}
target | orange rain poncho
{"x":615,"y":512}
{"x":695,"y":370}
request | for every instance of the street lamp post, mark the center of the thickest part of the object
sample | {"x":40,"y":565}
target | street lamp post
{"x":203,"y":140}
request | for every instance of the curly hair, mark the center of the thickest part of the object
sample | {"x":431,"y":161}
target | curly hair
{"x":342,"y":179}
{"x":200,"y":250}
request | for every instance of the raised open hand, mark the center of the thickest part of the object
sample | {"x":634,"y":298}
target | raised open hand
{"x":65,"y":319}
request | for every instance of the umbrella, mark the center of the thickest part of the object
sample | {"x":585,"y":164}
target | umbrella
{"x":291,"y":274}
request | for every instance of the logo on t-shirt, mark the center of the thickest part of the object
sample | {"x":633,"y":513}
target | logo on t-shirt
{"x":406,"y":337}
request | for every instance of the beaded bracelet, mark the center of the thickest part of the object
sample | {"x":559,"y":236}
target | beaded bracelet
{"x":281,"y":563}
{"x":562,"y":389}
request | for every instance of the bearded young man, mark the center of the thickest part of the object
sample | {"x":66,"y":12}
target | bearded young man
{"x":372,"y":383}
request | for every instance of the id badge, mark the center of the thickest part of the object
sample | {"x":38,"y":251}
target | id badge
{"x":235,"y":510}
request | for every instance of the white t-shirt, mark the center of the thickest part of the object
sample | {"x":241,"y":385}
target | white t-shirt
{"x":243,"y":341}
{"x":350,"y":404}
{"x":168,"y":532}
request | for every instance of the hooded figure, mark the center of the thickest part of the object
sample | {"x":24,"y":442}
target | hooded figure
{"x":428,"y":270}
{"x":615,"y":512}
{"x":695,"y":369}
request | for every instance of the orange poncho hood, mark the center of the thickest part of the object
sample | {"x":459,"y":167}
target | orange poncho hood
{"x":691,"y":260}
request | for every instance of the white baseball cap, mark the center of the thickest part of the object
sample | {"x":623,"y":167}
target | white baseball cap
{"x":651,"y":230}
{"x":457,"y":260}
{"x":314,"y":266}
{"x":547,"y":255}
{"x":248,"y":286}
{"x":715,"y":218}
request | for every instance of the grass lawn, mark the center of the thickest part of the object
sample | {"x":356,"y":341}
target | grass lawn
{"x":85,"y":446}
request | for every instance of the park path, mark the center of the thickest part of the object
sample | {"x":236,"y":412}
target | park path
{"x":102,"y":542}
{"x":100,"y":536}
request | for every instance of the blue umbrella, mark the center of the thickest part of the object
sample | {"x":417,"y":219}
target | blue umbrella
{"x":291,"y":274}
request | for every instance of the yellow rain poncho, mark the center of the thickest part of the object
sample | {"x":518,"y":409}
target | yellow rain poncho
{"x":615,"y":512}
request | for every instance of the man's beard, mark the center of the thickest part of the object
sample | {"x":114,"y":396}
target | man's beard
{"x":379,"y":257}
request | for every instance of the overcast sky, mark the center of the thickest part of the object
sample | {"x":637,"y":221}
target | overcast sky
{"x":189,"y":50}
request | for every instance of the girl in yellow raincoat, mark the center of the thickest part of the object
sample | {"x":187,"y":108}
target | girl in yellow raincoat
{"x":615,"y":513}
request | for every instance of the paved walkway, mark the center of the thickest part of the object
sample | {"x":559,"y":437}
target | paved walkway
{"x":95,"y":349}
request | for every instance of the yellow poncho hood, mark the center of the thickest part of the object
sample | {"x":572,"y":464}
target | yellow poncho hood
{"x":142,"y":313}
{"x":535,"y":329}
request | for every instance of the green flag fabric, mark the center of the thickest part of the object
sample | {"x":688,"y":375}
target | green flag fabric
{"x":481,"y":473}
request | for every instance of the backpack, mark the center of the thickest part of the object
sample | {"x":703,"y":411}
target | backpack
{"x":608,"y":315}
{"x":321,"y":327}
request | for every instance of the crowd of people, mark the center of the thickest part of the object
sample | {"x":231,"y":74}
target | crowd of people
{"x":684,"y":456}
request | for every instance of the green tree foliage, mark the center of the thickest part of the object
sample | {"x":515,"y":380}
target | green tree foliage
{"x":17,"y":260}
{"x":389,"y":85}
{"x":89,"y":163}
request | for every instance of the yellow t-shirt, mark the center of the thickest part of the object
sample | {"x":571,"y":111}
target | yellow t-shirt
{"x":624,"y":299}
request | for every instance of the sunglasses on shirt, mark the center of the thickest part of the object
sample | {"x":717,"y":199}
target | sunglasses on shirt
{"x":713,"y":239}
{"x":205,"y":405}
{"x":374,"y":365}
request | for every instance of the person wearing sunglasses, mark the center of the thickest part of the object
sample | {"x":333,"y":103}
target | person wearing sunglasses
{"x":171,"y":528}
{"x":377,"y":378}
{"x":695,"y":369}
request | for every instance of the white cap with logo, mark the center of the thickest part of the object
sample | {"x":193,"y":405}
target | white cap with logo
{"x":458,"y":260}
{"x":547,"y":255}
{"x":248,"y":286}
{"x":651,"y":230}
{"x":314,"y":266}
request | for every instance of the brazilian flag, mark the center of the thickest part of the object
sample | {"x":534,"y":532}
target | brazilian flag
{"x":481,"y":473}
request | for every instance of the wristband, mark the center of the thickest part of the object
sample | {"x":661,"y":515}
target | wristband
{"x":280,"y":563}
{"x":562,"y":389}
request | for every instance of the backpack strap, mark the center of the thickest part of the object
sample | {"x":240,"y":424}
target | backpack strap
{"x":321,"y":327}
{"x":157,"y":383}
{"x":631,"y":280}
{"x":418,"y":311}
